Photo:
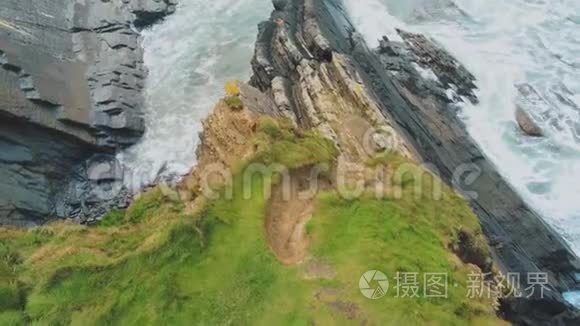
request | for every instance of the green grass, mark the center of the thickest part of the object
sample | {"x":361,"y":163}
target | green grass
{"x":234,"y":103}
{"x":368,"y":234}
{"x":153,"y":264}
{"x":277,"y":142}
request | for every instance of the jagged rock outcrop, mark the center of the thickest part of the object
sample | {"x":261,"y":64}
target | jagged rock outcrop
{"x":316,"y":87}
{"x":71,"y":73}
{"x":310,"y":59}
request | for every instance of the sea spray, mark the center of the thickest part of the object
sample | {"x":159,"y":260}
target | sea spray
{"x":506,"y":44}
{"x":189,"y":56}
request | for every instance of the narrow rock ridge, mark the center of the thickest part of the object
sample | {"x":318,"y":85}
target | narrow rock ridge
{"x":309,"y":52}
{"x":71,"y":72}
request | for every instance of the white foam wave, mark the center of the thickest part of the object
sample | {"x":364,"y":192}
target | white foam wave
{"x":506,"y":43}
{"x":189,"y":56}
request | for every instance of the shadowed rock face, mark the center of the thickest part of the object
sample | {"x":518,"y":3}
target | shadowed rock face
{"x":71,"y":74}
{"x":304,"y":37}
{"x":34,"y":162}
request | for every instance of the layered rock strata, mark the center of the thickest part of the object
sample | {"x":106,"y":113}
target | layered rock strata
{"x":71,"y":76}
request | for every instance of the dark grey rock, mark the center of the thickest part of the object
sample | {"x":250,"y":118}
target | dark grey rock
{"x":96,"y":186}
{"x":279,"y":4}
{"x":34,"y":165}
{"x":149,"y":12}
{"x":72,"y":72}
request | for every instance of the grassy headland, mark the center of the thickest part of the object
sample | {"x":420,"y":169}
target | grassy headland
{"x":157,"y":263}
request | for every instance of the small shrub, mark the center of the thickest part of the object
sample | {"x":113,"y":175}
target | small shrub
{"x":232,"y":99}
{"x":234,"y":103}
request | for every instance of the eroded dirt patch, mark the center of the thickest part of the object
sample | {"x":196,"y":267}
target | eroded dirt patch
{"x":289,"y":209}
{"x":317,"y":269}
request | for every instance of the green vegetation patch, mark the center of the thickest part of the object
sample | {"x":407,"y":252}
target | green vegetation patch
{"x":391,"y":236}
{"x":234,"y":103}
{"x":153,"y":264}
{"x":278,"y":142}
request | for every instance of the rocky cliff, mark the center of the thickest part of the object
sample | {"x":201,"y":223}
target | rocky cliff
{"x":310,"y":66}
{"x":71,"y":76}
{"x":309,"y":53}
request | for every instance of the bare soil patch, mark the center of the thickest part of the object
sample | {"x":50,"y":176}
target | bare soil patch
{"x":289,"y":209}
